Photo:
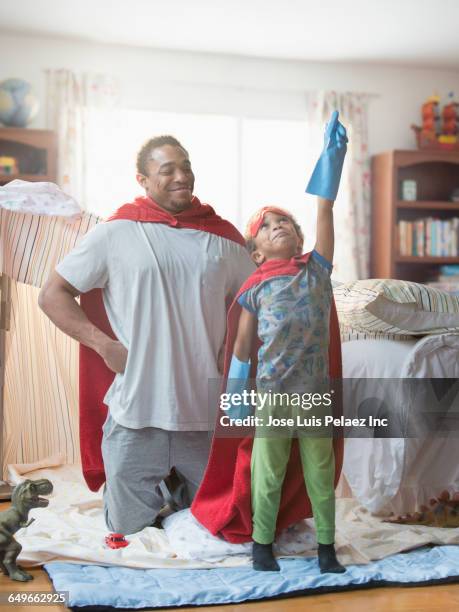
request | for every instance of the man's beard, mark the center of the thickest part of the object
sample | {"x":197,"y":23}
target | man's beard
{"x":179,"y":206}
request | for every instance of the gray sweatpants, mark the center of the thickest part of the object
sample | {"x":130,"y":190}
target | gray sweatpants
{"x":137,"y":460}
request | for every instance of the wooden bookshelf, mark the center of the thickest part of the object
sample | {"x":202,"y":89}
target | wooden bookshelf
{"x":428,"y":205}
{"x":34,"y":152}
{"x":436,"y":174}
{"x":426,"y":259}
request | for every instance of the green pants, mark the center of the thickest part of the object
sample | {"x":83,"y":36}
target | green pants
{"x":269,"y":463}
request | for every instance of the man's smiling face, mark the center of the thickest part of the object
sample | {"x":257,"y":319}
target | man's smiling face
{"x":170,"y":179}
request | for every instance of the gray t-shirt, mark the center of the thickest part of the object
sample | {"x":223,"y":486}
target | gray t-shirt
{"x":165,"y":291}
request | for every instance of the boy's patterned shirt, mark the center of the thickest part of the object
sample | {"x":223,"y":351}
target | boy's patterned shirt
{"x":293,"y":325}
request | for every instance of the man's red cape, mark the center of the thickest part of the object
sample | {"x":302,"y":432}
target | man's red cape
{"x":95,"y":376}
{"x":223,"y":501}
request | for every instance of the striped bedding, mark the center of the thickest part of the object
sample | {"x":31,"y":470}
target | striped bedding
{"x":32,"y":245}
{"x":41,"y":365}
{"x":394,"y":308}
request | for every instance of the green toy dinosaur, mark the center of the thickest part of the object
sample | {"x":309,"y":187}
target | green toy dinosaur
{"x":25,"y":497}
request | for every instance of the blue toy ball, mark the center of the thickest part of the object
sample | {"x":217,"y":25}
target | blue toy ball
{"x":18,"y":106}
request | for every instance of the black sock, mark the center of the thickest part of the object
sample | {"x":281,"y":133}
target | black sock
{"x":328,"y":561}
{"x":263,"y":558}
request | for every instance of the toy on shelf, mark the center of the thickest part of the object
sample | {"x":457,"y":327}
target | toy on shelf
{"x":431,"y":116}
{"x":450,"y":118}
{"x":8,"y":165}
{"x":439,"y":129}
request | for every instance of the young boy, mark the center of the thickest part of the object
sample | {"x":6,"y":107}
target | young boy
{"x":290,"y":314}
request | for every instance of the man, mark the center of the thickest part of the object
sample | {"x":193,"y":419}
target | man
{"x":167,"y":266}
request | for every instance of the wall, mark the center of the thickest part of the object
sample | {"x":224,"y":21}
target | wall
{"x":169,"y":80}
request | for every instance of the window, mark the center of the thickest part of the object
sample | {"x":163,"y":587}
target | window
{"x":276,"y":162}
{"x":240,"y":164}
{"x":115,"y":137}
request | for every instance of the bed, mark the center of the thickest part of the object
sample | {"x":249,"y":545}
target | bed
{"x":417,"y":377}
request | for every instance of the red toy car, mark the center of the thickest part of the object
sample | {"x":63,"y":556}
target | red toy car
{"x":116,"y":540}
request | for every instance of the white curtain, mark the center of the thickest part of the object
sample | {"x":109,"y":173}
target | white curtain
{"x":69,"y":97}
{"x":352,"y":208}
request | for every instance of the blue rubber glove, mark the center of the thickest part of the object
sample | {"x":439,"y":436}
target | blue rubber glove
{"x":324,"y":181}
{"x":237,"y":382}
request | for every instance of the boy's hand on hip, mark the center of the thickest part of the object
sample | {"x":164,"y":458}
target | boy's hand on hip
{"x":115,"y":356}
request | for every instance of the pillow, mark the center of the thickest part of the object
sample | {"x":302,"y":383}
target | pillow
{"x":348,"y":334}
{"x":396,"y":307}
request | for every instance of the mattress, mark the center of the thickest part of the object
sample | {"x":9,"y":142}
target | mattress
{"x":434,"y":356}
{"x":399,"y":474}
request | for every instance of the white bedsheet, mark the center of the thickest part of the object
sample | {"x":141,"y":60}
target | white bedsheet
{"x":72,"y":529}
{"x":397,"y":474}
{"x":38,"y":198}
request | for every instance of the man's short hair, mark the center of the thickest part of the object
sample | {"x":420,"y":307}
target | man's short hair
{"x":144,"y":155}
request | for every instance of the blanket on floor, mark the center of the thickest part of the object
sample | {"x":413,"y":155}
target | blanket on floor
{"x":132,"y":589}
{"x":72,"y":528}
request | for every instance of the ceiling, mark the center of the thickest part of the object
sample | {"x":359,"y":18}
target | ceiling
{"x":405,"y":32}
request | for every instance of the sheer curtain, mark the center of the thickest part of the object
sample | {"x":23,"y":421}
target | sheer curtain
{"x":352,"y":209}
{"x":70,"y":97}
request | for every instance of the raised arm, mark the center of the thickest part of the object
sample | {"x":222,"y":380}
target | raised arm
{"x":57,"y":300}
{"x":325,"y":235}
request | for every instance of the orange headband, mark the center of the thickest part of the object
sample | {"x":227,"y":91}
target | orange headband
{"x":256,"y":220}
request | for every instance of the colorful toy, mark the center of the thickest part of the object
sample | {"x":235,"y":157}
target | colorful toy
{"x":18,"y":105}
{"x":450,"y":117}
{"x":116,"y":540}
{"x":431,"y":116}
{"x":439,"y":129}
{"x":26,"y":495}
{"x":8,"y":165}
{"x":443,"y":512}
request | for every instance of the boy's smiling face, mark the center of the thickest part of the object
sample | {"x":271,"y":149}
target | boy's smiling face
{"x":277,"y":238}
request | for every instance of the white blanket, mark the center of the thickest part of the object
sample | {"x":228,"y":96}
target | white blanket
{"x":38,"y":198}
{"x":72,"y":529}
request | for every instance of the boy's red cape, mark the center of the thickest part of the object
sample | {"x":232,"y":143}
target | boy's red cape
{"x":223,"y":501}
{"x":95,"y":376}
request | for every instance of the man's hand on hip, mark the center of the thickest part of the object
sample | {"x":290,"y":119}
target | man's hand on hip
{"x":115,"y":356}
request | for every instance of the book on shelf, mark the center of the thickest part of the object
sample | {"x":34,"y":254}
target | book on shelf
{"x":420,"y":237}
{"x":429,"y":237}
